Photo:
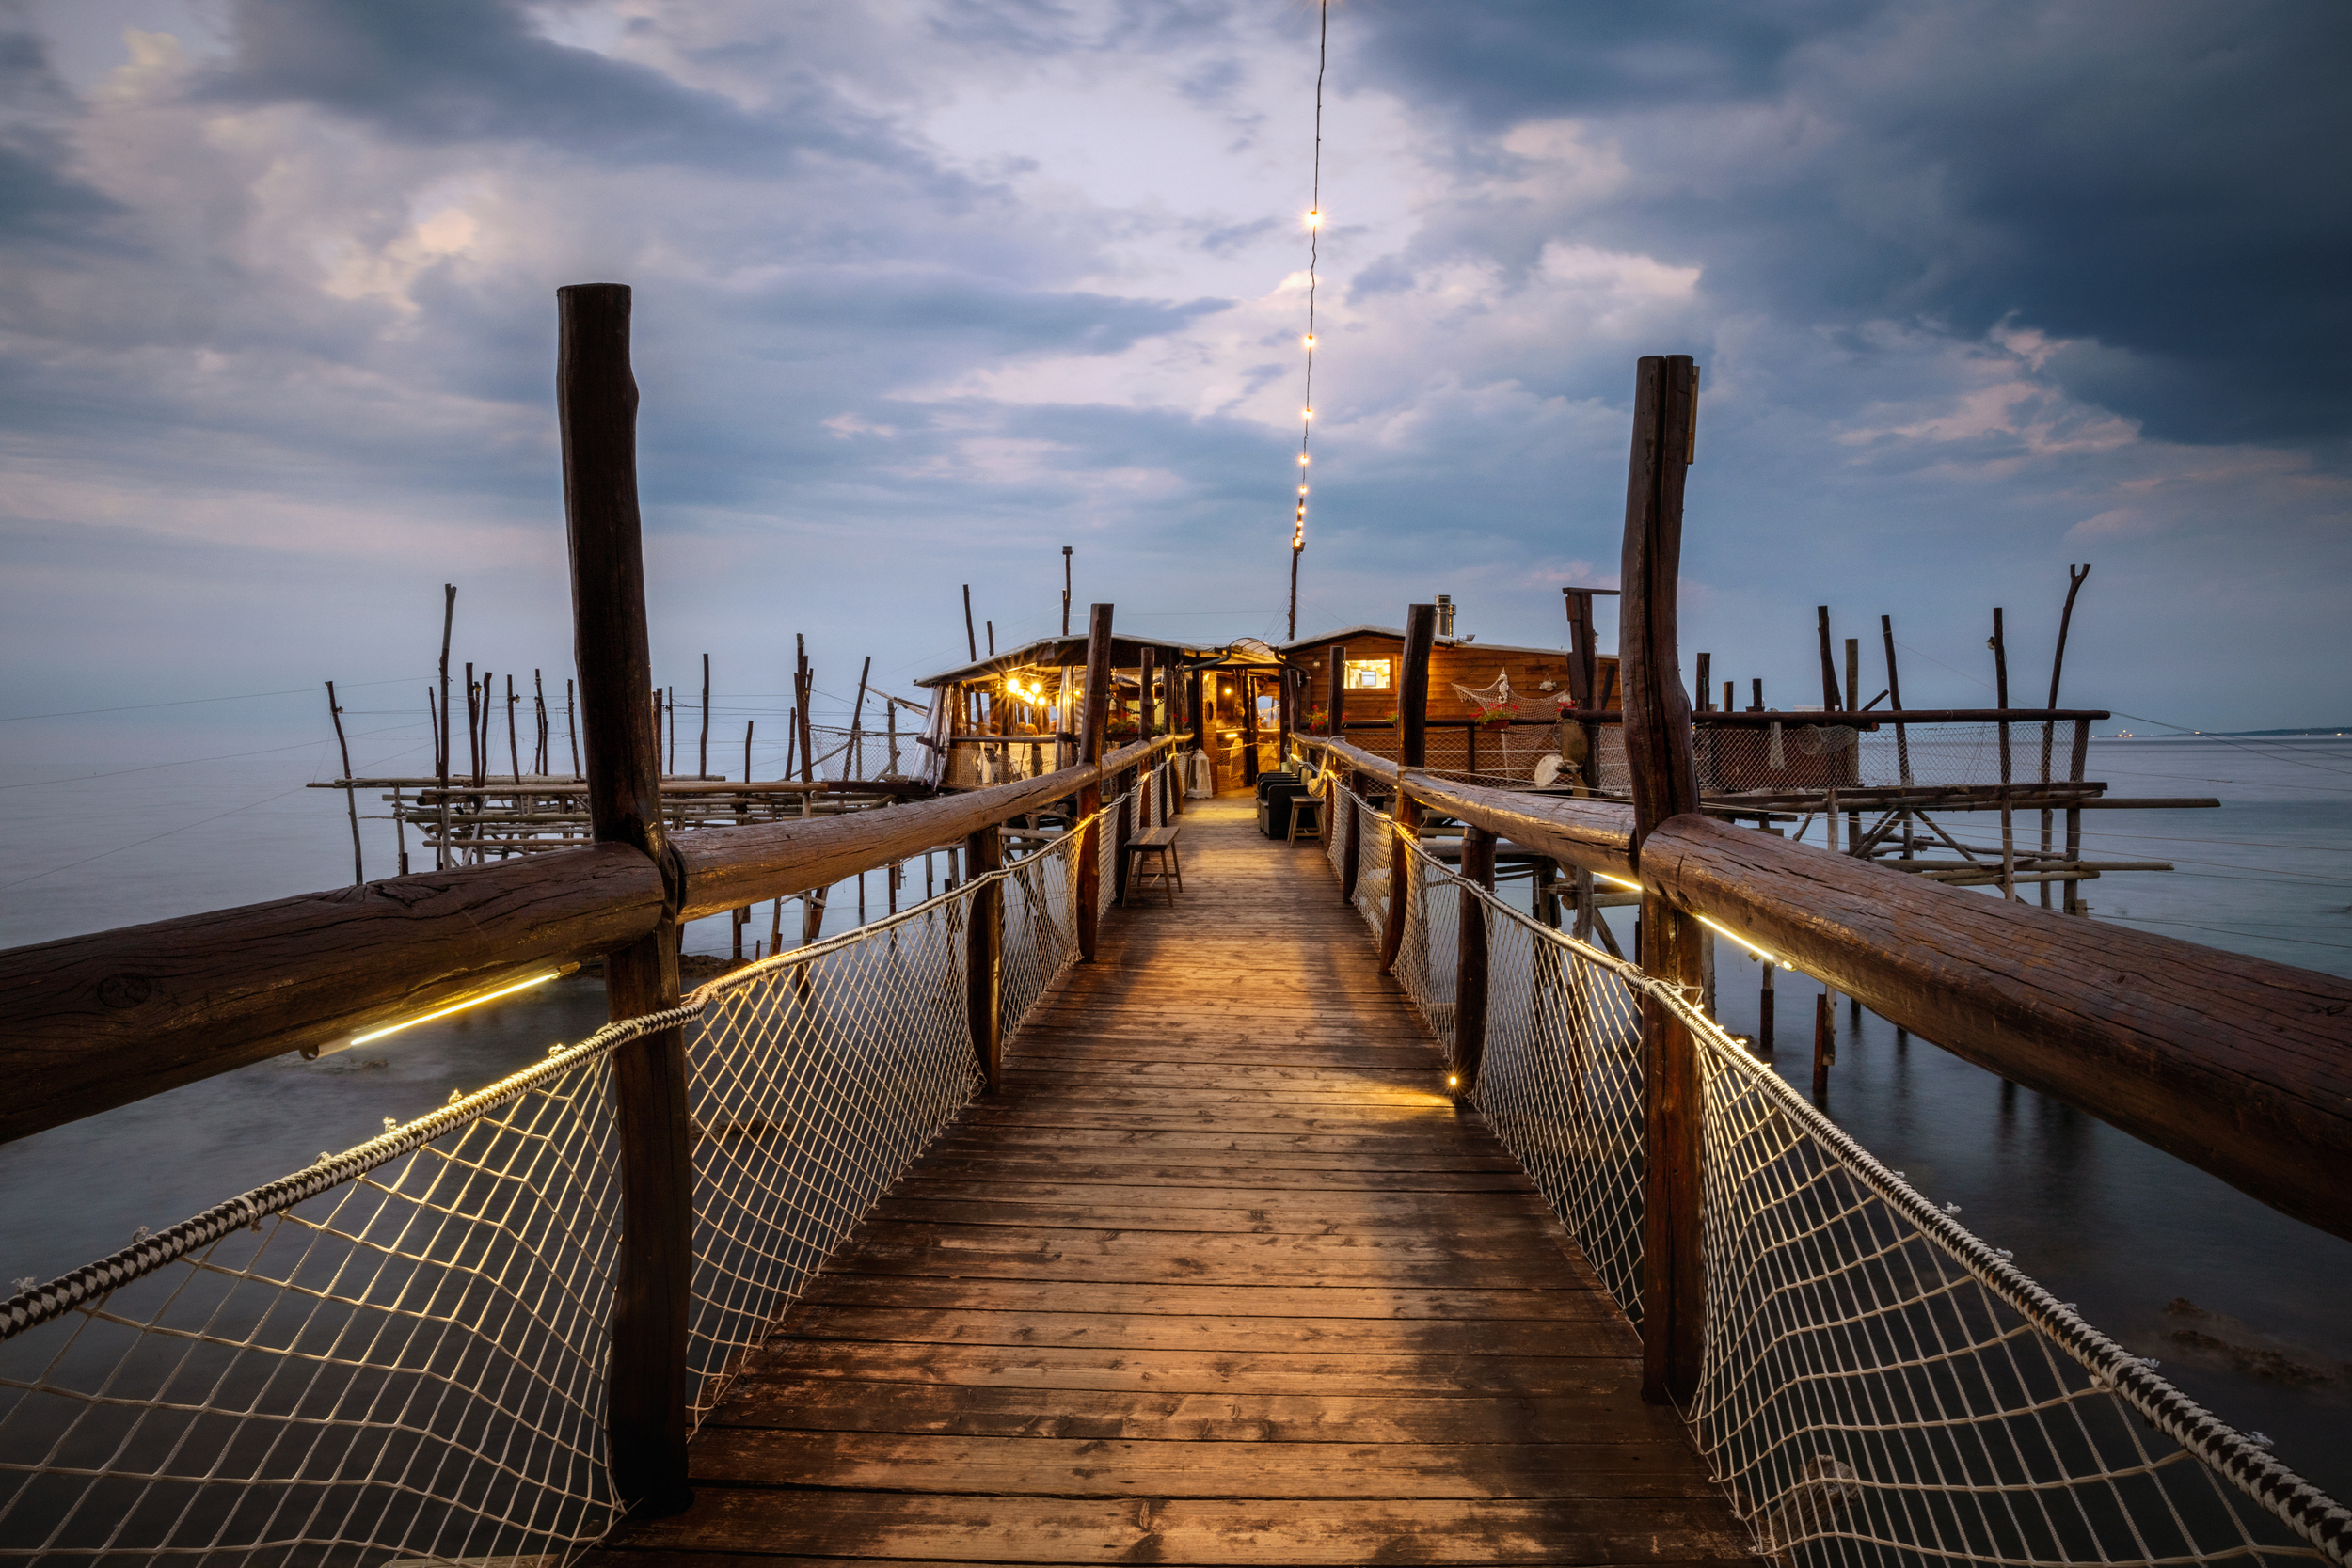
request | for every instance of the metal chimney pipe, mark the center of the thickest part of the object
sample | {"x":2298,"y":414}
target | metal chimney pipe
{"x":1445,"y":615}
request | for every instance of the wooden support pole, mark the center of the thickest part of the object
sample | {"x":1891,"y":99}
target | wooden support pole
{"x":514,"y":750}
{"x":441,"y":767}
{"x":804,"y":683}
{"x":2049,"y":729}
{"x":542,"y":763}
{"x":1824,"y":1043}
{"x":1829,"y":665}
{"x":984,"y":957}
{"x":1064,"y":590}
{"x":351,"y":793}
{"x":748,"y":725}
{"x":1764,"y":1011}
{"x":1412,"y":720}
{"x":1098,"y":697}
{"x":1664,"y":778}
{"x":855,"y":764}
{"x":597,"y":409}
{"x":1286,"y":681}
{"x":571,"y":728}
{"x":970,"y":637}
{"x":702,"y":752}
{"x":2009,"y":814}
{"x":1248,"y":728}
{"x":1706,"y":680}
{"x":1335,"y":697}
{"x":1470,"y":972}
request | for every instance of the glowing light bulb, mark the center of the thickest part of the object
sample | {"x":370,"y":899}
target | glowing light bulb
{"x":1306,"y":412}
{"x":1314,"y":217}
{"x":1310,"y":340}
{"x":1304,"y":460}
{"x":1302,"y":489}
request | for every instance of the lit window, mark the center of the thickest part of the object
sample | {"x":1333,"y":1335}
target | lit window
{"x":1366,"y":675}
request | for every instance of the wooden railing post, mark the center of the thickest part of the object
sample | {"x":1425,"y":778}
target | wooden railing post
{"x":1664,"y":785}
{"x":984,"y":956}
{"x":1412,"y":720}
{"x":1352,"y":845}
{"x":1248,"y":728}
{"x":1098,"y":694}
{"x":597,"y":407}
{"x":1470,"y":972}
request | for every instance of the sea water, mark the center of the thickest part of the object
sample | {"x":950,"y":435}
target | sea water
{"x":2244,"y":1309}
{"x":2249,"y":1312}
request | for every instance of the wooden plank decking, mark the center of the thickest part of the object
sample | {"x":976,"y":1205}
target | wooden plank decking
{"x":1222,"y":1278}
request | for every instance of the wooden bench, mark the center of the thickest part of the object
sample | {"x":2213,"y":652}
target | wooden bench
{"x":1160,"y":843}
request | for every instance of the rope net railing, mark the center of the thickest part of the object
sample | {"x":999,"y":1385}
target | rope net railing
{"x":1879,"y":1385}
{"x":400,"y":1352}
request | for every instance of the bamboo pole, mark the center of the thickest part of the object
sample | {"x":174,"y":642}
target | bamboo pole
{"x":702,"y":754}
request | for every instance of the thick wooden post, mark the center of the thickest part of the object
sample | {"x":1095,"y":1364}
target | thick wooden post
{"x":1665,"y":785}
{"x":597,"y":407}
{"x":1470,"y":973}
{"x":1090,"y":795}
{"x":984,"y":956}
{"x":1413,"y":723}
{"x":1352,"y":845}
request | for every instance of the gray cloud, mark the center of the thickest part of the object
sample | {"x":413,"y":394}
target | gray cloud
{"x":2165,"y":183}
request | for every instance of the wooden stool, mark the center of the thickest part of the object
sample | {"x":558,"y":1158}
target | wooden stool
{"x":1306,"y":806}
{"x":1160,"y":843}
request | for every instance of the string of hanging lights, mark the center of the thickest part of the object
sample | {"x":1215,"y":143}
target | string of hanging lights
{"x":1314,"y":257}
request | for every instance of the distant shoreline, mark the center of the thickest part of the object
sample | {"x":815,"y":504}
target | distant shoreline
{"x":2325,"y":732}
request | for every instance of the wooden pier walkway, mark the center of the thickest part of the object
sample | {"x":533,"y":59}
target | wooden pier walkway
{"x":1222,"y":1278}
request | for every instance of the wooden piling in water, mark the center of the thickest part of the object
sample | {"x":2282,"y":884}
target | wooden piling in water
{"x":351,"y":795}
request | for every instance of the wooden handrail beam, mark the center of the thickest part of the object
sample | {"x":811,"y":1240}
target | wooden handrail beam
{"x":94,"y":1021}
{"x":2240,"y":1066}
{"x":728,"y":867}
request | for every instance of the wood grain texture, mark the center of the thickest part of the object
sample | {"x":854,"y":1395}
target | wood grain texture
{"x":2237,"y":1066}
{"x":1196,"y":1287}
{"x":727,"y":867}
{"x":93,"y":1022}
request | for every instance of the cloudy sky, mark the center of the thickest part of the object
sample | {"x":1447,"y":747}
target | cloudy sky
{"x":927,"y":290}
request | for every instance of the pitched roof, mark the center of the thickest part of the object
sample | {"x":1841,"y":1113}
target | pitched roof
{"x":1471,"y":642}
